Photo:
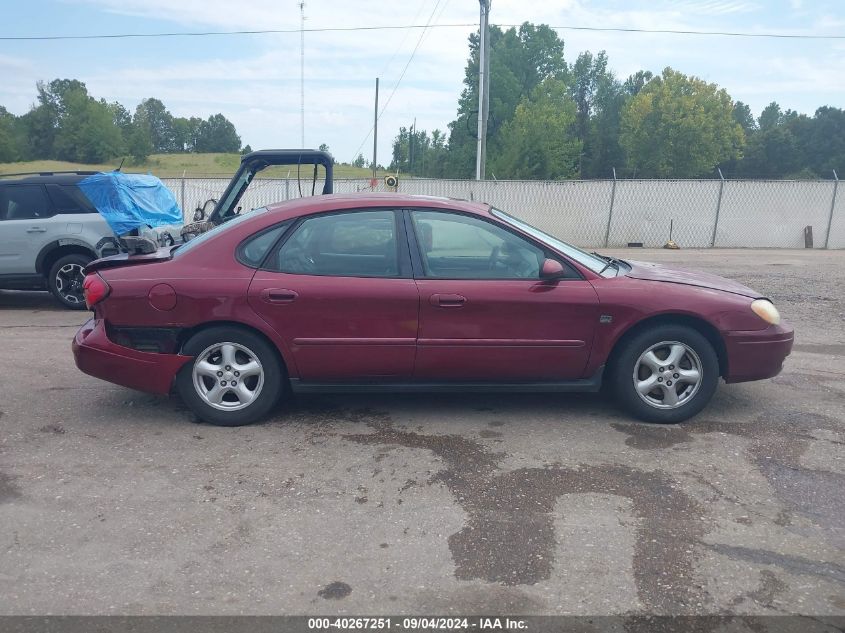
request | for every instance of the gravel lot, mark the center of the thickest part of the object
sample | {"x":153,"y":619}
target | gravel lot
{"x":117,"y":502}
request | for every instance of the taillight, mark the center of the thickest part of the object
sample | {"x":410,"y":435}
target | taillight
{"x":95,"y":289}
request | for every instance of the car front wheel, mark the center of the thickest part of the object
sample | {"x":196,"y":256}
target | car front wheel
{"x":65,"y":280}
{"x":666,"y":374}
{"x":235,"y":378}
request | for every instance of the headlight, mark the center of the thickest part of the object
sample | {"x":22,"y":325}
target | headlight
{"x":766,"y":310}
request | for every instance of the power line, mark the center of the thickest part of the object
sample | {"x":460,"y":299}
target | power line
{"x":30,"y":38}
{"x":401,"y":76}
{"x":795,"y":36}
{"x":404,"y":39}
{"x":223,"y":33}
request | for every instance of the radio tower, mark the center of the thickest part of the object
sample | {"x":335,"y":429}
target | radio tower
{"x":302,"y":71}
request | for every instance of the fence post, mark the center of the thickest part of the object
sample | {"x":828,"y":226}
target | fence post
{"x":183,"y":195}
{"x":832,"y":207}
{"x":718,"y":208}
{"x":610,"y":212}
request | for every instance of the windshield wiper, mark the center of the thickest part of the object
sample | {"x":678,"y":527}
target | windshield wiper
{"x":611,"y":261}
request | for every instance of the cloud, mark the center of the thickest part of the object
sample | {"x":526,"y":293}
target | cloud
{"x":254,"y":80}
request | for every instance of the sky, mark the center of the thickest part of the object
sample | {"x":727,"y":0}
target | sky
{"x":254,"y":80}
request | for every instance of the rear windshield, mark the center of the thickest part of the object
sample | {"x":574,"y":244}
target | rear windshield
{"x":227,"y":224}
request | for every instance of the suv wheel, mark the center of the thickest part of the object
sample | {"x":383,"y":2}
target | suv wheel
{"x":666,"y":374}
{"x":235,"y":378}
{"x":65,"y":280}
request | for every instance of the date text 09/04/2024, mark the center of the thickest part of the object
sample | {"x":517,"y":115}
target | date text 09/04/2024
{"x":418,"y":623}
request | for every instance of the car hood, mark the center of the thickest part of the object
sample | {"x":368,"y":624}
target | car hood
{"x":658,"y":272}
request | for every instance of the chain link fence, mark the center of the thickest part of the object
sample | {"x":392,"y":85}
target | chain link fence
{"x":614,"y":213}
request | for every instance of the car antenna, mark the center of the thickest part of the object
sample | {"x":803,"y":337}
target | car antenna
{"x":119,"y":167}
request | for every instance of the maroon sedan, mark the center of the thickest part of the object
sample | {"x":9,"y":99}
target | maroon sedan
{"x":404,"y":293}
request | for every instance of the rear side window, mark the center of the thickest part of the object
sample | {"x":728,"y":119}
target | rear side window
{"x":69,"y":199}
{"x":352,"y":244}
{"x":24,"y":202}
{"x":254,"y":249}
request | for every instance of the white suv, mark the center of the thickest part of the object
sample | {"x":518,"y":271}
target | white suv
{"x":49,"y":231}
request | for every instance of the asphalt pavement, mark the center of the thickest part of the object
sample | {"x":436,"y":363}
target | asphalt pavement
{"x":118,"y":502}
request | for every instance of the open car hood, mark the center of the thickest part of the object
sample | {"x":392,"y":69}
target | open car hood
{"x":658,"y":272}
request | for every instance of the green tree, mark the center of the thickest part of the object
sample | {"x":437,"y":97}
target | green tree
{"x":43,"y":121}
{"x":742,"y":115}
{"x":599,"y":99}
{"x":217,"y":134}
{"x":9,"y":143}
{"x":185,"y":132}
{"x":539,"y":146}
{"x":771,"y":153}
{"x":520,"y":59}
{"x":417,"y":153}
{"x":359,"y":161}
{"x":679,"y":127}
{"x":636,"y":82}
{"x":770,"y":117}
{"x":139,"y":144}
{"x":585,"y":75}
{"x":87,"y":132}
{"x":152,"y":115}
{"x":824,"y":141}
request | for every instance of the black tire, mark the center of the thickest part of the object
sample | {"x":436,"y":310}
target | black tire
{"x":274,"y":376}
{"x":65,"y":278}
{"x":627,"y":358}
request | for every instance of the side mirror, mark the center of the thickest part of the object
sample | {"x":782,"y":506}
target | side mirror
{"x":552,"y":269}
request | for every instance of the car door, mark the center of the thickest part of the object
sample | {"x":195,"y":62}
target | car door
{"x":340,"y":292}
{"x":77,"y":220}
{"x":25,"y":226}
{"x":485,"y":313}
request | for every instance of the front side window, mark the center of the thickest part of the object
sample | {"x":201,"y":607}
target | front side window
{"x":592,"y":261}
{"x":352,"y":244}
{"x":456,"y":246}
{"x":24,"y":202}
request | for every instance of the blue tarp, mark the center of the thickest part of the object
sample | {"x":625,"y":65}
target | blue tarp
{"x":130,"y":201}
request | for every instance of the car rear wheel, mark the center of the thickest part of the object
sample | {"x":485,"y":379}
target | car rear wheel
{"x":666,"y":374}
{"x":235,"y":378}
{"x":65,"y":280}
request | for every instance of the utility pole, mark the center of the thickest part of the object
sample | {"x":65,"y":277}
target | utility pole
{"x":375,"y":133}
{"x":302,"y":71}
{"x":411,"y":147}
{"x":483,"y":88}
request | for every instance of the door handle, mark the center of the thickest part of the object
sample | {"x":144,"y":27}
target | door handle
{"x":447,"y":301}
{"x":36,"y":229}
{"x":278,"y":295}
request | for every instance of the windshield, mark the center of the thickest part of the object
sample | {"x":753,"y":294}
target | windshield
{"x":595,"y":263}
{"x":228,"y":223}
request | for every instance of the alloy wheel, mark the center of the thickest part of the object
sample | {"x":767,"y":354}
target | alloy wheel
{"x":668,"y":375}
{"x":228,"y":376}
{"x":69,"y":280}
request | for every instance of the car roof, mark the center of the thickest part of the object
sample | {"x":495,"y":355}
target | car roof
{"x":319,"y":204}
{"x":61,"y":178}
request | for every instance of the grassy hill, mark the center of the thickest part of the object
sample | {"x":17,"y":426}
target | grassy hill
{"x":176,"y":165}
